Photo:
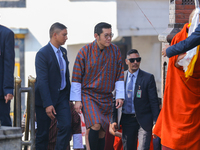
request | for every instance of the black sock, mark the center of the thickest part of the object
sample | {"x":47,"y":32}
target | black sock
{"x":93,"y":138}
{"x":101,"y":143}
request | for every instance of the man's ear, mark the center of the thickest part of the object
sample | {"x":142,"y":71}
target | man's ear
{"x":126,"y":61}
{"x":96,"y":35}
{"x":54,"y":34}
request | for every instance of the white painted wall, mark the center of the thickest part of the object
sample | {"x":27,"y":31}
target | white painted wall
{"x":80,"y":17}
{"x":72,"y":51}
{"x":130,"y":14}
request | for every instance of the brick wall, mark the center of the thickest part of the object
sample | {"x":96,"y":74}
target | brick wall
{"x":180,"y":10}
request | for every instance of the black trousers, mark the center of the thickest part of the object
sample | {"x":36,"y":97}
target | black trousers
{"x":132,"y":132}
{"x":63,"y":117}
{"x":5,"y":113}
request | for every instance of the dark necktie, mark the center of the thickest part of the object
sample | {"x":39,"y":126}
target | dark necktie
{"x":61,"y":69}
{"x":129,"y":93}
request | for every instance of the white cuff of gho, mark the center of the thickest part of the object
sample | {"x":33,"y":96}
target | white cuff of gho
{"x":75,"y":92}
{"x":77,"y":141}
{"x":119,"y":87}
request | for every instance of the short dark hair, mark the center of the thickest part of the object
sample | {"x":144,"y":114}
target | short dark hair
{"x":54,"y":28}
{"x":98,"y":28}
{"x":132,"y":51}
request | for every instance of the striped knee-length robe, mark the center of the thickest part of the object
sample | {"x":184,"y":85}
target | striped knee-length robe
{"x":97,"y":71}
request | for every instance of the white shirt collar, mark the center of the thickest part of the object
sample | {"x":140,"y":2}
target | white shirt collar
{"x":54,"y":48}
{"x":135,"y":73}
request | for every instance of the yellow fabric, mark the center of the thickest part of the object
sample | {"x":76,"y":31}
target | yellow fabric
{"x":190,"y":68}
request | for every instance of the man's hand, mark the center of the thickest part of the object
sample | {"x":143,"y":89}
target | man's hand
{"x":154,"y":136}
{"x":119,"y":103}
{"x":8,"y":97}
{"x":180,"y":56}
{"x":113,"y":127}
{"x":78,"y":106}
{"x":50,"y":111}
{"x":164,"y":50}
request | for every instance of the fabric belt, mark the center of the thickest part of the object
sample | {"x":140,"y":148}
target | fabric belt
{"x":129,"y":115}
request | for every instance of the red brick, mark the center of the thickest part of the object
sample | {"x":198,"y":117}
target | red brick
{"x":178,"y":2}
{"x":183,"y":11}
{"x":185,"y":18}
{"x":180,"y":16}
{"x":181,"y":20}
{"x":188,"y":7}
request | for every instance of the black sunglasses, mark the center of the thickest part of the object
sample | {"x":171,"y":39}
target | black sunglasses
{"x":132,"y":60}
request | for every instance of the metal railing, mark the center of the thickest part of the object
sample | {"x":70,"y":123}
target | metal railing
{"x":30,"y":112}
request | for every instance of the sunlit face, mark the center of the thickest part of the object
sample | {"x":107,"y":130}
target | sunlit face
{"x":133,"y":66}
{"x":61,"y":37}
{"x":104,"y":39}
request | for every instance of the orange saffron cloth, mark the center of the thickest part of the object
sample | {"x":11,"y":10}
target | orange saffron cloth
{"x":178,"y":124}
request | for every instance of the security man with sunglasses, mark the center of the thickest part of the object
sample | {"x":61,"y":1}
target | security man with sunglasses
{"x":141,"y":108}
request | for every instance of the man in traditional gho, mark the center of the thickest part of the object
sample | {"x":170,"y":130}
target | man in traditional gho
{"x":98,"y":70}
{"x":178,"y":124}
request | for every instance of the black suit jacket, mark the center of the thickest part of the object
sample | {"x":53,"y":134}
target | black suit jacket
{"x":48,"y":80}
{"x":7,"y":61}
{"x":146,"y":107}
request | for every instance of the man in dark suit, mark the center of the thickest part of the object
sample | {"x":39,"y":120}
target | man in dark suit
{"x":141,"y":108}
{"x":183,"y":46}
{"x":7,"y":63}
{"x":52,"y":89}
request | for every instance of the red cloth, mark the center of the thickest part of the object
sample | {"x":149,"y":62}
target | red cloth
{"x":178,"y":124}
{"x":118,"y":145}
{"x":109,"y":140}
{"x":118,"y":142}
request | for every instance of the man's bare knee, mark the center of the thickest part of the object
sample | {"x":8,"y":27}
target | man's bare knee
{"x":102,"y":133}
{"x":96,"y":127}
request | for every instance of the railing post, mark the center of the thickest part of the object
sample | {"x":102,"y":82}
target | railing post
{"x":17,"y":103}
{"x":30,"y":113}
{"x":30,"y":109}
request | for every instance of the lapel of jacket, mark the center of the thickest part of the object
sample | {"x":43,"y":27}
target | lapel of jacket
{"x":138,"y":82}
{"x":64,"y":54}
{"x":1,"y":41}
{"x":125,"y":77}
{"x":52,"y":53}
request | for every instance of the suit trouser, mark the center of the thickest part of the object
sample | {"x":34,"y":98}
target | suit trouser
{"x":157,"y":143}
{"x":75,"y":126}
{"x":5,"y":113}
{"x":132,"y":132}
{"x":63,"y":116}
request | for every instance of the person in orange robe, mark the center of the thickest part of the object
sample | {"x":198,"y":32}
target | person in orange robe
{"x":178,"y":124}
